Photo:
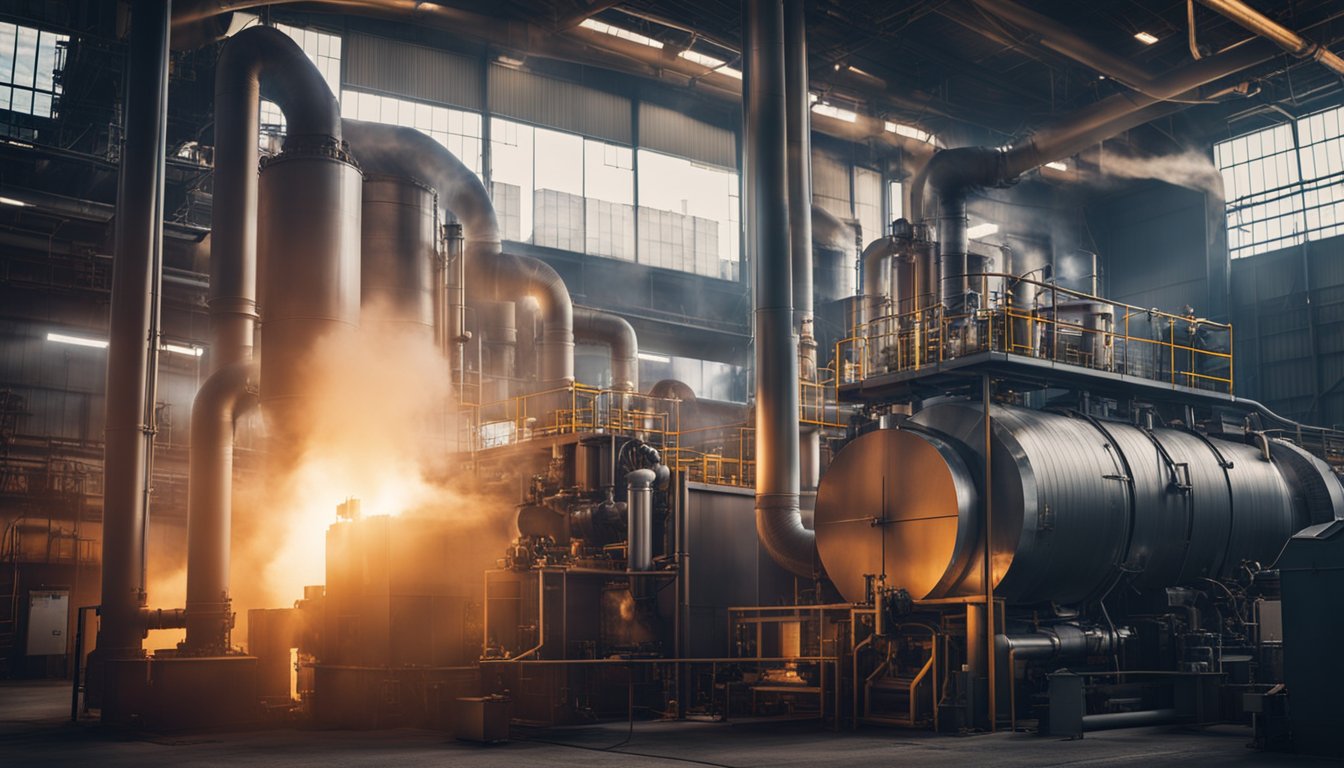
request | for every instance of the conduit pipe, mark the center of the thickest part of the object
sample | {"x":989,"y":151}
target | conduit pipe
{"x":398,"y":151}
{"x":590,"y":325}
{"x":1285,"y":38}
{"x":221,"y":401}
{"x":954,"y":173}
{"x":779,"y":521}
{"x":133,"y":340}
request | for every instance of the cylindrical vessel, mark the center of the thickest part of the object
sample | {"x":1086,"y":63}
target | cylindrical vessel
{"x":308,"y":241}
{"x":1078,"y":505}
{"x":397,"y":253}
{"x":639,"y":521}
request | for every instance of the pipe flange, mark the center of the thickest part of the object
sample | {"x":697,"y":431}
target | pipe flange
{"x":312,"y":146}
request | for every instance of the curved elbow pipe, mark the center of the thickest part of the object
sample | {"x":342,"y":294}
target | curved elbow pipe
{"x":875,"y":288}
{"x":614,"y":331}
{"x":225,"y":396}
{"x":397,"y":151}
{"x":256,"y":63}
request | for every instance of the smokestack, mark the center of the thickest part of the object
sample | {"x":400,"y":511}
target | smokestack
{"x":778,"y":517}
{"x":133,"y":334}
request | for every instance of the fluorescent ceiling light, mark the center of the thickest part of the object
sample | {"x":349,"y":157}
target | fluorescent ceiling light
{"x":1147,"y":38}
{"x":830,"y":110}
{"x":981,"y":230}
{"x":509,"y":61}
{"x":624,"y":34}
{"x":1058,"y":165}
{"x":12,"y":201}
{"x":78,"y":341}
{"x":182,"y":349}
{"x":716,"y":65}
{"x":652,"y":358}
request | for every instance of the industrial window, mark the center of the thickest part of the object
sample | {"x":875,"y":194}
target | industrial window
{"x":456,"y":129}
{"x":1285,"y":184}
{"x":324,"y":50}
{"x":29,"y":62}
{"x":688,"y":215}
{"x":895,"y":201}
{"x":868,"y":203}
{"x":562,"y":190}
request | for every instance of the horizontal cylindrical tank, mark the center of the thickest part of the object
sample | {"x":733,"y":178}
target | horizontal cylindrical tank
{"x":1078,"y":505}
{"x":397,"y":252}
{"x":308,"y":242}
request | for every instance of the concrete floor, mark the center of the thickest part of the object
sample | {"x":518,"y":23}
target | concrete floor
{"x":33,"y":732}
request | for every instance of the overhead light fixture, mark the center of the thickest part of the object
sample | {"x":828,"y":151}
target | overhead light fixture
{"x":714,"y":64}
{"x":182,"y":349}
{"x":812,"y":98}
{"x":509,"y":61}
{"x":830,"y":110}
{"x":981,"y":230}
{"x":12,"y":201}
{"x":1058,"y":165}
{"x":623,"y":34}
{"x":652,"y":358}
{"x":78,"y":341}
{"x":1147,"y":38}
{"x":910,"y":131}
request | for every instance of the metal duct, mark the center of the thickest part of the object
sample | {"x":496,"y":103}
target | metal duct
{"x":133,"y":335}
{"x":954,"y":173}
{"x":1283,"y":37}
{"x":779,"y":520}
{"x":398,"y":254}
{"x":876,"y":288}
{"x":591,"y":325}
{"x":406,"y":152}
{"x":222,"y":399}
{"x":256,"y":63}
{"x":319,"y":269}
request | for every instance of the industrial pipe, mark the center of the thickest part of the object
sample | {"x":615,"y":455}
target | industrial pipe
{"x":876,"y":288}
{"x":259,"y":62}
{"x":639,"y":521}
{"x":221,"y":401}
{"x":132,"y":335}
{"x":406,"y":152}
{"x":591,"y":325}
{"x":1285,"y":38}
{"x":779,"y":521}
{"x":954,"y":173}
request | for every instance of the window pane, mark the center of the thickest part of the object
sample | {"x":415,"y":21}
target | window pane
{"x":682,"y":219}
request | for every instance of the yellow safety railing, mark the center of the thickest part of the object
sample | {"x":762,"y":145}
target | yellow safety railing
{"x":1060,"y":325}
{"x":571,"y":409}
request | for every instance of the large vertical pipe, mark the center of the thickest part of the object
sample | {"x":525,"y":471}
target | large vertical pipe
{"x":135,"y":283}
{"x":255,"y":62}
{"x":798,"y":129}
{"x":639,"y":519}
{"x":779,"y":522}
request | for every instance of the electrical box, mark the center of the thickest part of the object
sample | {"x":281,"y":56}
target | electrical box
{"x":48,"y":617}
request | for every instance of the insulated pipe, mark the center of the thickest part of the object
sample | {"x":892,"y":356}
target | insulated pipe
{"x":639,"y":521}
{"x":225,"y":396}
{"x":590,"y":325}
{"x":132,"y":339}
{"x":397,"y":151}
{"x":259,"y":62}
{"x":1285,"y":38}
{"x":779,"y":521}
{"x":876,"y":290}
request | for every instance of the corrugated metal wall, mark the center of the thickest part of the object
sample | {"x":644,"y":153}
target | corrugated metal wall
{"x":398,"y":68}
{"x":1290,"y":340}
{"x":559,"y":104}
{"x":675,"y":133}
{"x":830,"y":185}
